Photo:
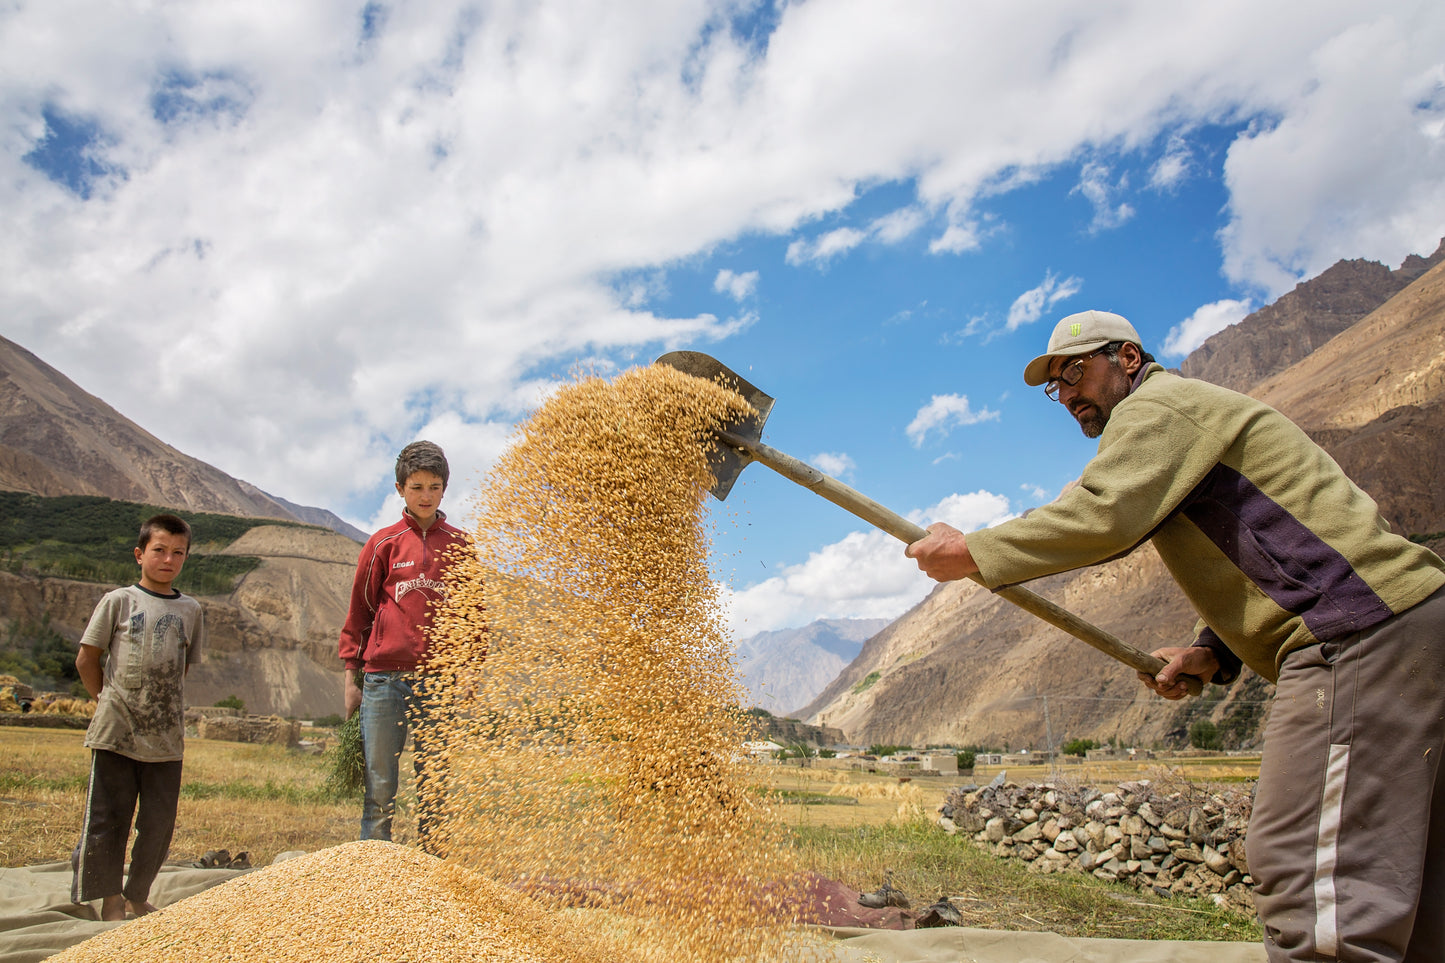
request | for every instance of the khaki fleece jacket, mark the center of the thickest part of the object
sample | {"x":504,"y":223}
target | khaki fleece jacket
{"x":1272,"y":544}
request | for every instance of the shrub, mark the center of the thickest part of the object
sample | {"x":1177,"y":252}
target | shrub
{"x":231,"y":702}
{"x":38,"y":655}
{"x":883,"y":749}
{"x":1078,"y":747}
{"x":867,"y":681}
{"x":1205,"y":735}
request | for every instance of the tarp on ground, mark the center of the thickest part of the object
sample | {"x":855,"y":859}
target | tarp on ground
{"x":37,"y":920}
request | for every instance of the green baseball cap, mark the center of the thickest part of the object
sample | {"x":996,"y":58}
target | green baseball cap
{"x":1079,"y":334}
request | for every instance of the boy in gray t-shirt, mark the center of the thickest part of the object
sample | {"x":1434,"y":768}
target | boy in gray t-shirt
{"x":147,"y":635}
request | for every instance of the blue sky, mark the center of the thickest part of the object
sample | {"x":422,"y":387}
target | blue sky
{"x":289,"y":238}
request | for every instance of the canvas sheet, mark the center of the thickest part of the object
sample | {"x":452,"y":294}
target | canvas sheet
{"x":960,"y":944}
{"x":37,"y":920}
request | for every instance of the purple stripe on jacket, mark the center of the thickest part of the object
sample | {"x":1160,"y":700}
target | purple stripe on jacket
{"x":1292,"y":565}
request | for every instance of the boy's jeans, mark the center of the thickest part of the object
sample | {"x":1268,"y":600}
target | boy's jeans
{"x":391,"y":704}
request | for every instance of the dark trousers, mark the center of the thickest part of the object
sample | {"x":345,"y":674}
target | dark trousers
{"x":117,"y":783}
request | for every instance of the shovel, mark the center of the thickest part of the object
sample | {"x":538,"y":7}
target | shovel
{"x":742,"y":445}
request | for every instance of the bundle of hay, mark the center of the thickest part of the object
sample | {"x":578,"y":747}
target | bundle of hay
{"x":67,"y":707}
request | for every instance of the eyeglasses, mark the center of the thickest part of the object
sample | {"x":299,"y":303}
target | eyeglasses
{"x":1068,"y":375}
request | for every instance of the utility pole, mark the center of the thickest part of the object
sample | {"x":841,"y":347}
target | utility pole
{"x":1049,"y":735}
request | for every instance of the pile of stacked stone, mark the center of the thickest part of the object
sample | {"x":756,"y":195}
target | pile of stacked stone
{"x":1174,"y":841}
{"x":269,"y":730}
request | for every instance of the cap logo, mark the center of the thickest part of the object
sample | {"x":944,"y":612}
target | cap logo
{"x":1075,"y":328}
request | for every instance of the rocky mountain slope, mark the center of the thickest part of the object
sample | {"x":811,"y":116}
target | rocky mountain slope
{"x":57,"y":439}
{"x":964,"y":667}
{"x":1279,"y":334}
{"x":785,"y":669}
{"x":271,"y":642}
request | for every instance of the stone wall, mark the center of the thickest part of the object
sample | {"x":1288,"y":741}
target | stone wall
{"x":1172,"y":840}
{"x":270,"y":730}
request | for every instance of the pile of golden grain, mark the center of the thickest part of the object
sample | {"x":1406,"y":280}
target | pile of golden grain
{"x":584,"y":745}
{"x":361,"y":901}
{"x":591,"y":747}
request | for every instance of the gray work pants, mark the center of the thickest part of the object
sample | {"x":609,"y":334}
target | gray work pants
{"x":1347,"y":840}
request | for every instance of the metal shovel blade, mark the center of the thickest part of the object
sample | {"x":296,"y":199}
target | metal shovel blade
{"x":728,"y":460}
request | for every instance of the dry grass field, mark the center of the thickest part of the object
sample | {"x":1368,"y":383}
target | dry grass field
{"x":258,"y":799}
{"x":849,"y":826}
{"x":835,"y":798}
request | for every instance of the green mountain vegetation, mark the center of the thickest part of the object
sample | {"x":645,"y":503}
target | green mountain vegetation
{"x":39,"y":656}
{"x":91,"y":539}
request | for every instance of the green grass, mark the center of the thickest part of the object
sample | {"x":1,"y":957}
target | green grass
{"x":11,"y":781}
{"x":806,"y":797}
{"x":267,"y":791}
{"x":1004,"y":894}
{"x":347,"y":776}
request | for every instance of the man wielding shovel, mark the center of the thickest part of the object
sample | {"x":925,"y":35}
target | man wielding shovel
{"x":1293,"y":573}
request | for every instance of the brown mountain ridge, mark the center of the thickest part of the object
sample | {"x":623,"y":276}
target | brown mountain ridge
{"x":58,"y":439}
{"x":272,"y":640}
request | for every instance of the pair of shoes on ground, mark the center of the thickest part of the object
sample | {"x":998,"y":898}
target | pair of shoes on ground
{"x":941,"y":913}
{"x":222,"y":859}
{"x":883,"y":896}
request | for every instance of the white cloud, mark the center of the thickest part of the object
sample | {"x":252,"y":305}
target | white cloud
{"x":734,"y":285}
{"x":346,"y":236}
{"x":898,"y":225}
{"x":956,"y":239}
{"x":1031,"y":305}
{"x":1346,"y":145}
{"x":942,"y":414}
{"x":1035,"y":492}
{"x":1174,"y":167}
{"x":1094,"y":184}
{"x":865,"y":575}
{"x":837,"y":464}
{"x":891,"y":228}
{"x":975,"y":324}
{"x":826,"y":247}
{"x":1190,"y":333}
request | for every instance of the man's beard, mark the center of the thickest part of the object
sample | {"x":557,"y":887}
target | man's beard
{"x":1093,"y":423}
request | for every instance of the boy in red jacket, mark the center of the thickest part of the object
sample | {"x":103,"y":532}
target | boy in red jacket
{"x":383,"y":643}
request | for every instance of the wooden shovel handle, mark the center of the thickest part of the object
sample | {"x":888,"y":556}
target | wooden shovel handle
{"x":907,"y":532}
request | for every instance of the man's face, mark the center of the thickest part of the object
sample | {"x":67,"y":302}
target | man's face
{"x":1091,"y":401}
{"x":422,"y":491}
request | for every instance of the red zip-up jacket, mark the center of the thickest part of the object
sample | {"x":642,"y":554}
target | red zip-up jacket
{"x":398,"y":576}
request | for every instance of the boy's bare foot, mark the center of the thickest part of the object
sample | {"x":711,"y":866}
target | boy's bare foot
{"x":139,"y":909}
{"x":112,"y":908}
